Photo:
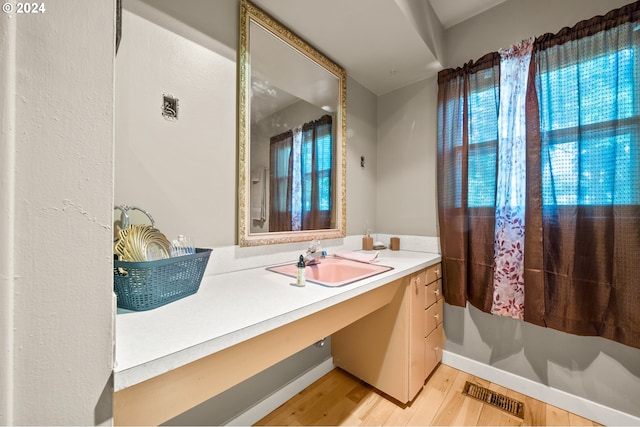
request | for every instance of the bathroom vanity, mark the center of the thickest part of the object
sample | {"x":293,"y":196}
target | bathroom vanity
{"x":396,"y":347}
{"x":172,"y":358}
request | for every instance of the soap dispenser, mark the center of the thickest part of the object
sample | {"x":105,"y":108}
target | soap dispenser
{"x":367,"y":242}
{"x":302,"y":273}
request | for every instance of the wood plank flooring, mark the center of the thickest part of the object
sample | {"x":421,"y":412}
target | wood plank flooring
{"x":339,"y":398}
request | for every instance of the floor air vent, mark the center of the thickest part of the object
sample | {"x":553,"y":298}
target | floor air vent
{"x":500,"y":401}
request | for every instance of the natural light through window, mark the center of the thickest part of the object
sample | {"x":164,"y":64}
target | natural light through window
{"x":595,"y":99}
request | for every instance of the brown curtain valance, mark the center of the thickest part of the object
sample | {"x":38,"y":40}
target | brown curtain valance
{"x":590,"y":27}
{"x":488,"y":61}
{"x":281,"y":137}
{"x":324,"y":120}
{"x":586,"y":28}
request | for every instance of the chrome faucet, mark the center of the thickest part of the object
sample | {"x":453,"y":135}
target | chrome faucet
{"x":314,"y":253}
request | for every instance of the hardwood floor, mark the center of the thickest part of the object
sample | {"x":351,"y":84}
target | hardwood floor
{"x":339,"y":398}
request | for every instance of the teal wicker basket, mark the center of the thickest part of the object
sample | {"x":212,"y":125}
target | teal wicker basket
{"x":146,"y":285}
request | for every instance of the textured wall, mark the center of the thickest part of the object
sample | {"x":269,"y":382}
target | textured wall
{"x":57,"y":195}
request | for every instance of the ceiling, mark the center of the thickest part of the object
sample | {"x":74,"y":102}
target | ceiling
{"x":383,"y":44}
{"x":452,"y":12}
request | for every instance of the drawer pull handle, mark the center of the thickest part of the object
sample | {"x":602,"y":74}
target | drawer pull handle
{"x":437,"y":292}
{"x":437,"y":272}
{"x":437,"y":316}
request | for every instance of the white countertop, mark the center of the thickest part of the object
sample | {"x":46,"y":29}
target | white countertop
{"x":230,"y":308}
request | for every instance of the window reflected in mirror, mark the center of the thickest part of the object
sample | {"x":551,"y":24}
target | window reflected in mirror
{"x":301,"y":162}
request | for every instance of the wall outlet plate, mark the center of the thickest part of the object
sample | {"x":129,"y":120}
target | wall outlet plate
{"x":169,"y":107}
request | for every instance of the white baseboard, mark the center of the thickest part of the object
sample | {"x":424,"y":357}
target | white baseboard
{"x":561,"y":399}
{"x":280,"y":396}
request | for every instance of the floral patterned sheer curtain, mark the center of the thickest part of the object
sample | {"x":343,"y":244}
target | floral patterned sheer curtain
{"x":296,"y":181}
{"x":508,"y":276}
{"x":573,"y":256}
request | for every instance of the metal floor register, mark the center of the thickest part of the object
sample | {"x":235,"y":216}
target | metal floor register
{"x":500,"y":401}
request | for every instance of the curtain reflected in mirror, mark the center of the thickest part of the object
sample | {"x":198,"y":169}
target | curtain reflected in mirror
{"x":301,"y":162}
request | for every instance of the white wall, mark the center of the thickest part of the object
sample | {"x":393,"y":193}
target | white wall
{"x":181,"y":171}
{"x":597,"y":369}
{"x":56,"y":201}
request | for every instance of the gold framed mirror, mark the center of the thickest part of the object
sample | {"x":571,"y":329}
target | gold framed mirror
{"x":291,"y":136}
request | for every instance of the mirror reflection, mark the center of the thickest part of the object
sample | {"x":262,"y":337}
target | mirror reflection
{"x":291,"y":136}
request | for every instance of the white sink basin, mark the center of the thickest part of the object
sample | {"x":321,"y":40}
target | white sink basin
{"x":333,"y":272}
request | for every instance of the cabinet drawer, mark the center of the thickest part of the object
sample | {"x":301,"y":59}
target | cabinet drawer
{"x":433,"y":350}
{"x":434,"y":292}
{"x":433,"y":316}
{"x":434,"y":273}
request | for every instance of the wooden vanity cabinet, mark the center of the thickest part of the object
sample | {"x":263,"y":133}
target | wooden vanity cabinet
{"x":393,"y":347}
{"x":434,"y":332}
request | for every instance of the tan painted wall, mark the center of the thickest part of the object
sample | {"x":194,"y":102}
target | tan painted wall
{"x":406,"y":184}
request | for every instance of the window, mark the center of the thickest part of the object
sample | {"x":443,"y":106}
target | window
{"x":323,"y":166}
{"x":301,"y":184}
{"x":589,"y":130}
{"x":483,"y":141}
{"x":483,"y":147}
